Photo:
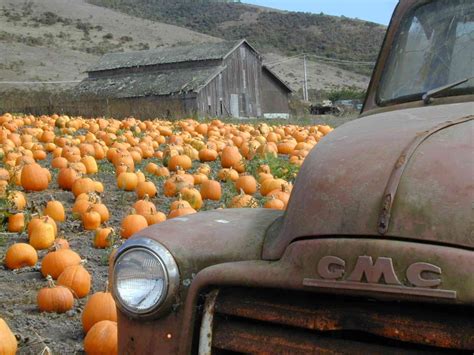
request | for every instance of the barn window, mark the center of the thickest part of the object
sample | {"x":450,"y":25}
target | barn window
{"x":221,"y":106}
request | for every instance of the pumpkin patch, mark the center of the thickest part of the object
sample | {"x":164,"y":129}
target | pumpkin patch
{"x":76,"y":188}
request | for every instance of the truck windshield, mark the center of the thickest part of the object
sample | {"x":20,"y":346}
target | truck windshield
{"x":434,"y":47}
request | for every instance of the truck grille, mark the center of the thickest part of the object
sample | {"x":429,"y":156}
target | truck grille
{"x":274,"y":321}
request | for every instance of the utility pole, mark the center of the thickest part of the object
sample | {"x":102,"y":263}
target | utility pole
{"x":305,"y":85}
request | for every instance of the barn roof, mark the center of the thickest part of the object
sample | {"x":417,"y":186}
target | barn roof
{"x":167,"y":55}
{"x":148,"y":83}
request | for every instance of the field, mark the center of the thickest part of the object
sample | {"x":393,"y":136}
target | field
{"x":74,"y":188}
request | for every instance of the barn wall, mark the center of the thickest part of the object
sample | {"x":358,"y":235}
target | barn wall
{"x":239,"y":82}
{"x":274,"y":96}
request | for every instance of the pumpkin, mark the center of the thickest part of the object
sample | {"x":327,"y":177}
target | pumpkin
{"x":283,"y":194}
{"x":193,"y":196}
{"x":55,"y":210}
{"x":182,"y":161}
{"x":16,"y":223}
{"x":54,"y":298}
{"x":103,"y":238}
{"x":66,"y":178}
{"x":211,"y":190}
{"x":155,"y":218}
{"x":41,"y":232}
{"x":34,"y":178}
{"x":144,"y":207}
{"x":207,"y":154}
{"x":179,"y":203}
{"x":91,"y":219}
{"x":230,"y":157}
{"x":102,"y":339}
{"x":269,"y":185}
{"x":83,"y":185}
{"x":162,"y":171}
{"x":100,"y":306}
{"x":17,"y":200}
{"x":60,"y":243}
{"x":132,"y":224}
{"x":151,"y":168}
{"x":127,"y":181}
{"x":90,"y":164}
{"x":20,"y":255}
{"x":243,"y":201}
{"x":175,"y":184}
{"x":59,"y":163}
{"x":146,"y":188}
{"x":102,"y":210}
{"x":247,"y":183}
{"x":55,"y":262}
{"x":228,"y":174}
{"x":81,"y":206}
{"x":181,"y":210}
{"x":274,"y":203}
{"x":77,"y":279}
{"x":8,"y":343}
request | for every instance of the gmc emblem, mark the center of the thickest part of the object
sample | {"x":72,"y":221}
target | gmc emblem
{"x":368,"y":275}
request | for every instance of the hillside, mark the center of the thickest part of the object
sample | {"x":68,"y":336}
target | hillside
{"x":57,"y":40}
{"x":289,"y":33}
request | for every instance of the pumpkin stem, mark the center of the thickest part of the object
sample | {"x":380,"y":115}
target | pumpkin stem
{"x":50,"y":281}
{"x":107,"y":286}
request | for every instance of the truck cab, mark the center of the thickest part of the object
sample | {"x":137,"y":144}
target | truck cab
{"x":375,"y":252}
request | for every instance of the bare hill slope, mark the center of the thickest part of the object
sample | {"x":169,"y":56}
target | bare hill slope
{"x":57,"y":40}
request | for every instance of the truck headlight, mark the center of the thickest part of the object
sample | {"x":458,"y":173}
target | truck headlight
{"x":145,"y":279}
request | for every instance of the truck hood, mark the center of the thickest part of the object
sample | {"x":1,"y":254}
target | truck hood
{"x":406,"y":175}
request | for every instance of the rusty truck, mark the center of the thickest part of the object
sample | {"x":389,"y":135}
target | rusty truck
{"x":375,"y":252}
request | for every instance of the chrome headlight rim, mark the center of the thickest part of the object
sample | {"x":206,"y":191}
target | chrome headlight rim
{"x":171,"y":272}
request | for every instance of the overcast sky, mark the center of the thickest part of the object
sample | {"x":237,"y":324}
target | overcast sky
{"x":378,"y":11}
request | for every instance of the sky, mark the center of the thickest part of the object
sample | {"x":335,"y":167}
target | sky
{"x":378,"y":11}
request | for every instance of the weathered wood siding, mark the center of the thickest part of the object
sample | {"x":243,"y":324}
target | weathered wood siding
{"x":241,"y":79}
{"x":275,"y":98}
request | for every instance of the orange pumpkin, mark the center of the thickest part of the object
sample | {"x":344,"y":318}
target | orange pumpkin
{"x":55,"y":210}
{"x":247,"y":183}
{"x":127,"y":181}
{"x":231,"y":157}
{"x":8,"y":343}
{"x":16,"y":223}
{"x":77,"y":279}
{"x":54,"y":298}
{"x":155,"y":218}
{"x":181,"y":210}
{"x":20,"y":255}
{"x":34,"y":178}
{"x":102,"y":339}
{"x":55,"y":262}
{"x":132,"y":224}
{"x":42,"y":232}
{"x":100,"y":306}
{"x":146,"y":188}
{"x":211,"y":190}
{"x":103,"y":238}
{"x":193,"y":196}
{"x":182,"y":161}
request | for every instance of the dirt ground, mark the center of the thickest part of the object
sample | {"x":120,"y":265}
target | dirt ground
{"x":62,"y":333}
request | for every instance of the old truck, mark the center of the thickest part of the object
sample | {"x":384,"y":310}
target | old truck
{"x":375,"y":253}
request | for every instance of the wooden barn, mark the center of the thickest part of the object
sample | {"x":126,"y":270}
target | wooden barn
{"x":224,"y":79}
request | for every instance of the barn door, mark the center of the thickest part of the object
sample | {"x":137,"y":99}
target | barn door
{"x":234,"y":105}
